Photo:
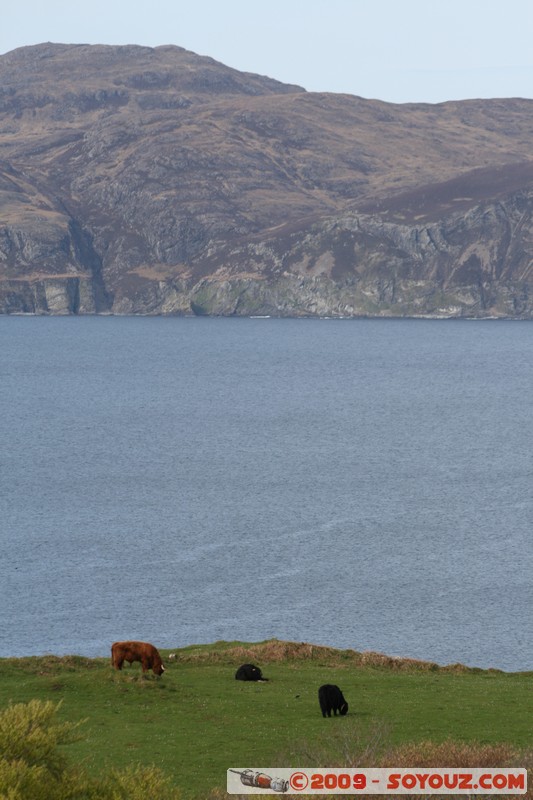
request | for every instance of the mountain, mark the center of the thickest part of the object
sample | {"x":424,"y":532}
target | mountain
{"x":157,"y":181}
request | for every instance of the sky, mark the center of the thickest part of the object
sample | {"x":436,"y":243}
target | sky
{"x":399,"y":51}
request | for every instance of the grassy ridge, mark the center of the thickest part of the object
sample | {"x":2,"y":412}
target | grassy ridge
{"x":197,"y":721}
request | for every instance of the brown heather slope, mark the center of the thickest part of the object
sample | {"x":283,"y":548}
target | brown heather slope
{"x":154,"y":180}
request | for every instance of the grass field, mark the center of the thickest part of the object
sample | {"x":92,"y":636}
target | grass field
{"x":197,"y":720}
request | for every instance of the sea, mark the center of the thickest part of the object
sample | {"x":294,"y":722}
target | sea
{"x":357,"y":483}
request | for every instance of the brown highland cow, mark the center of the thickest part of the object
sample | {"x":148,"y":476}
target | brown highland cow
{"x":144,"y":652}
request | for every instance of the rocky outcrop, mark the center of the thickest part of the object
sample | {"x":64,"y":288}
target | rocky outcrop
{"x":52,"y":295}
{"x":139,"y":180}
{"x":473,"y":264}
{"x":49,"y":266}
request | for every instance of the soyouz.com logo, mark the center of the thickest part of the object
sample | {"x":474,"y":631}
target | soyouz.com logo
{"x":415,"y":780}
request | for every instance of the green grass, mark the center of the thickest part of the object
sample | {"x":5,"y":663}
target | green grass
{"x":196,"y":721}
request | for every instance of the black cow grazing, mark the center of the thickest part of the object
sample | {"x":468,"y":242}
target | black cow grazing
{"x":331,"y":699}
{"x":249,"y":672}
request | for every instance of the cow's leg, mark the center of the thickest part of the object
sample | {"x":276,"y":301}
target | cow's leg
{"x":118,"y":663}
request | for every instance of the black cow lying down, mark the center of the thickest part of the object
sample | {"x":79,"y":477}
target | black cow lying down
{"x":331,"y":699}
{"x":249,"y":672}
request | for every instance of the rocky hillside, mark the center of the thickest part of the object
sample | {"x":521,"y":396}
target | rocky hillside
{"x":153,"y":180}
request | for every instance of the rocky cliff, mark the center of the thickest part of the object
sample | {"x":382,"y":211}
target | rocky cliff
{"x":155,"y":181}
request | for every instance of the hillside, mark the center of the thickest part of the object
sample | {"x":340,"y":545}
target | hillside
{"x":154,"y":180}
{"x":197,"y":721}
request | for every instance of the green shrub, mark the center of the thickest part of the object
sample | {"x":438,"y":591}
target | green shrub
{"x":33,"y":767}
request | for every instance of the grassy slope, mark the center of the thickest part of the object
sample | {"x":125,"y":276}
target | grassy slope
{"x":197,"y":720}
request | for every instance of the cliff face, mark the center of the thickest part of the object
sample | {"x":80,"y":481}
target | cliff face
{"x":140,"y":180}
{"x":476,"y":263}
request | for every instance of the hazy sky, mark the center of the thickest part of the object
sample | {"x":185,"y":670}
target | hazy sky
{"x":394,"y":50}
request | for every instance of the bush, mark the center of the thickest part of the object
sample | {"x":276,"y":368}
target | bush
{"x":373,"y":750}
{"x":33,"y":767}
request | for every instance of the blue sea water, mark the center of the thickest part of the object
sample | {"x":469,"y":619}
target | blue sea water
{"x":356,"y":483}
